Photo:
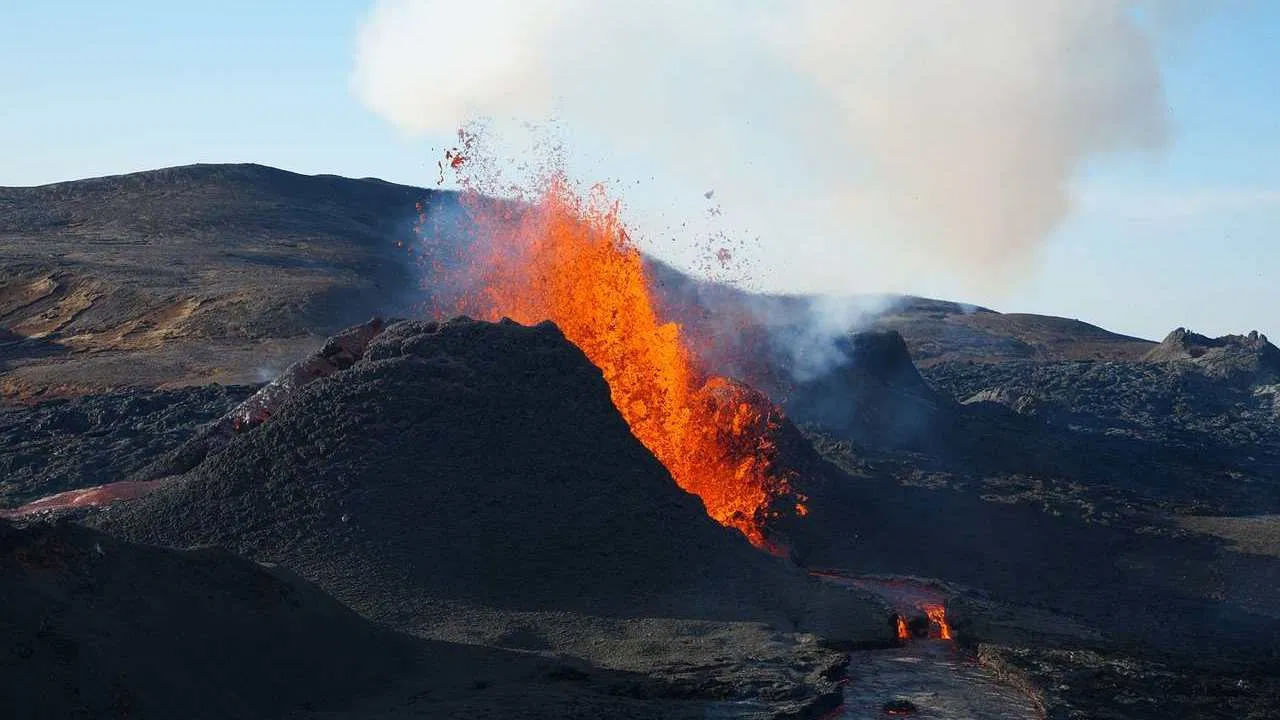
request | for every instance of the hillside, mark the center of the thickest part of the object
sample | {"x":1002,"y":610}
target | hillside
{"x":190,"y":275}
{"x":938,"y":331}
{"x":227,"y":273}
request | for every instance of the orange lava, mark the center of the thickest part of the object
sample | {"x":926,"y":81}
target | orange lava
{"x":96,"y":496}
{"x":903,"y":632}
{"x":938,"y":616}
{"x":568,"y":259}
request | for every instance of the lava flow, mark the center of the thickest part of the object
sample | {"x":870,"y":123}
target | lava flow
{"x":909,"y":597}
{"x":938,"y":616}
{"x":569,"y":259}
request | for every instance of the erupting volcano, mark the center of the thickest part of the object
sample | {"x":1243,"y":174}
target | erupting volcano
{"x":569,"y":259}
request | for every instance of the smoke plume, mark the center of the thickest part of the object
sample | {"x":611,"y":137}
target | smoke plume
{"x":855,"y":139}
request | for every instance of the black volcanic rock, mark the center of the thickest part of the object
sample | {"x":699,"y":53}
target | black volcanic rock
{"x":1251,"y":357}
{"x":338,"y":353}
{"x":80,"y":442}
{"x":474,"y":465}
{"x":872,"y":395}
{"x":94,"y":627}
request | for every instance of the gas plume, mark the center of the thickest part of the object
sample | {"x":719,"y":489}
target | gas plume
{"x":860,"y":141}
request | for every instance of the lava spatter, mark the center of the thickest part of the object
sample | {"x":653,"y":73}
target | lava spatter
{"x":565,"y":257}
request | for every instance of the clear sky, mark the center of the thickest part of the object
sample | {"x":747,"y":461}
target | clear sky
{"x":1190,"y":236}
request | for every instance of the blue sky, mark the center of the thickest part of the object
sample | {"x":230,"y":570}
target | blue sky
{"x":1190,"y":236}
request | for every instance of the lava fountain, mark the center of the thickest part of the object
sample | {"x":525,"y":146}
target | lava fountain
{"x":565,"y":256}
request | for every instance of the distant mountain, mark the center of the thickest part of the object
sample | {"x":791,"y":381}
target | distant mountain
{"x":939,"y":331}
{"x":934,"y":330}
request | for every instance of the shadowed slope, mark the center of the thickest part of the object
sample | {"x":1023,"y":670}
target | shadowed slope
{"x":478,"y":465}
{"x":96,"y":627}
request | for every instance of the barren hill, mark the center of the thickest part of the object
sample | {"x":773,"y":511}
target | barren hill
{"x":190,"y":275}
{"x":226,"y":273}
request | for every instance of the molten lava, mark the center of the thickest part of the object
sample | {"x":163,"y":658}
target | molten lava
{"x":568,"y":259}
{"x":903,"y":632}
{"x":938,"y":616}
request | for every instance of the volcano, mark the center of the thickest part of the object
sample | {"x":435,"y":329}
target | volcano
{"x":569,"y":259}
{"x":469,"y":480}
{"x":1097,"y":511}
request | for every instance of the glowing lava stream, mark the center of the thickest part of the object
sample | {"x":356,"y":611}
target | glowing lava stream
{"x":905,"y":595}
{"x":569,"y":260}
{"x":938,"y":616}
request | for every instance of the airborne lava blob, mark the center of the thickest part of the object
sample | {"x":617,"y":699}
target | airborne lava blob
{"x":567,"y":258}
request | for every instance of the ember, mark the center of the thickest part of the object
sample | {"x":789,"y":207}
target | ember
{"x":569,"y":260}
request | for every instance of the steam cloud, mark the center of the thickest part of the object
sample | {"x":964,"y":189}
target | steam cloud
{"x":851,"y":137}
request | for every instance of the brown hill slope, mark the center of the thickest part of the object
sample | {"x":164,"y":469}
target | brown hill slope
{"x":226,"y":273}
{"x":190,"y":275}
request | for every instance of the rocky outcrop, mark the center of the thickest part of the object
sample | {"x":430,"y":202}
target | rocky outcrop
{"x":872,"y":395}
{"x":1248,"y":357}
{"x":339,"y":353}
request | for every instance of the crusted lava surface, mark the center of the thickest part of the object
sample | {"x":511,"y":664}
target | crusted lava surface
{"x":71,"y":443}
{"x":98,"y":627}
{"x":1118,"y":517}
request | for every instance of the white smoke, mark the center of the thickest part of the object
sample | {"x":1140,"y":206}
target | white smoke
{"x":858,"y":140}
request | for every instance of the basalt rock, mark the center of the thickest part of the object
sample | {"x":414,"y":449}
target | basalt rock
{"x":96,"y":627}
{"x":1251,"y":357}
{"x":338,"y":353}
{"x":475,"y":465}
{"x":74,"y":443}
{"x":872,"y":395}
